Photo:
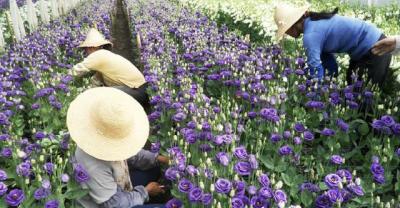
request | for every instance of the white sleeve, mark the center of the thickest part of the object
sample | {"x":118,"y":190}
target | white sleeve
{"x":397,"y":49}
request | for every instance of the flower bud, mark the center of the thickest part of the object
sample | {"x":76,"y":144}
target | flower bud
{"x":378,"y":200}
{"x":27,"y":181}
{"x":341,"y":185}
{"x":33,"y":161}
{"x":278,"y":185}
{"x":358,"y":181}
{"x":41,"y":158}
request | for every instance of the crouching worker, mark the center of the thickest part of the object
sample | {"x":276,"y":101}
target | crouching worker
{"x":110,"y":128}
{"x":112,"y":70}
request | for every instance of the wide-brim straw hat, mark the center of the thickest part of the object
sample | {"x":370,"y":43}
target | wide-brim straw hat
{"x":94,"y":39}
{"x":286,"y":16}
{"x":107,"y":124}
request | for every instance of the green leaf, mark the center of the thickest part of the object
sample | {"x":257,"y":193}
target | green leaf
{"x":268,"y":162}
{"x":363,"y":129}
{"x":323,"y":186}
{"x":306,"y":198}
{"x":76,"y":193}
{"x":287,"y":179}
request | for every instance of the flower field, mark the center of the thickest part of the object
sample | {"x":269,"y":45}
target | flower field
{"x":239,"y":118}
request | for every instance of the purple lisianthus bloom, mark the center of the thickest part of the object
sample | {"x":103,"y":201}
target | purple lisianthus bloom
{"x":378,"y":124}
{"x":276,"y":138}
{"x":241,"y":153}
{"x":207,"y":199}
{"x":376,"y":169}
{"x":237,"y":202}
{"x":80,"y":174}
{"x":252,"y":190}
{"x":243,"y":168}
{"x":297,"y":140}
{"x":40,"y":135}
{"x":4,"y":137}
{"x":15,"y":197}
{"x":328,"y":132}
{"x":396,"y":129}
{"x":195,"y":194}
{"x":259,"y":202}
{"x":52,"y":204}
{"x":323,"y":201}
{"x":343,"y":126}
{"x":317,"y":105}
{"x":332,"y":180}
{"x":337,"y":159}
{"x":46,"y":184}
{"x":49,"y":168}
{"x":285,"y":150}
{"x":191,"y":170}
{"x":334,"y":195}
{"x":265,"y":192}
{"x":299,"y":127}
{"x":253,"y":161}
{"x":379,"y":178}
{"x":308,"y":136}
{"x":388,"y":120}
{"x":185,"y":185}
{"x":179,"y":117}
{"x":280,"y":196}
{"x":355,"y":189}
{"x":252,"y":114}
{"x":6,"y":152}
{"x":263,"y":179}
{"x":309,"y":187}
{"x":35,"y":106}
{"x":174,"y":203}
{"x":24,"y":169}
{"x":208,"y":173}
{"x":155,"y":147}
{"x":287,"y":134}
{"x":205,"y":148}
{"x":269,"y":114}
{"x":345,"y":174}
{"x":398,"y":152}
{"x":3,"y":188}
{"x":41,"y":193}
{"x":3,"y":175}
{"x":65,"y":178}
{"x":223,"y":186}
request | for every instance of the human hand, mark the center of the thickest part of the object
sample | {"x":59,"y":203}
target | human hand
{"x":384,"y":46}
{"x":163,"y":160}
{"x":154,"y":189}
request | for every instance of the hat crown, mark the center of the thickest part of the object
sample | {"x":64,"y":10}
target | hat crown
{"x":286,"y":16}
{"x":111,"y":119}
{"x":94,"y":39}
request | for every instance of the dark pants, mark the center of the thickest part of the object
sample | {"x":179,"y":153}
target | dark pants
{"x":376,"y":67}
{"x":139,"y":94}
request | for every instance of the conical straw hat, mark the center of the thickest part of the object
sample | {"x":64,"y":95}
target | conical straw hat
{"x":94,"y":39}
{"x":107,"y":124}
{"x":286,"y":16}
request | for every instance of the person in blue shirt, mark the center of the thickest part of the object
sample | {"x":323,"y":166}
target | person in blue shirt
{"x":326,"y":34}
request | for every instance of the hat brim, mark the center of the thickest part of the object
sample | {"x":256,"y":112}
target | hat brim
{"x":89,"y":45}
{"x":90,"y":140}
{"x":282,"y":30}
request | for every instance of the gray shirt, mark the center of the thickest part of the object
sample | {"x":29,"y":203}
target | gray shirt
{"x":103,"y":189}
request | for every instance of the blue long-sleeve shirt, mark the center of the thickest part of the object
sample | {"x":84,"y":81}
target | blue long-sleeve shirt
{"x":337,"y":35}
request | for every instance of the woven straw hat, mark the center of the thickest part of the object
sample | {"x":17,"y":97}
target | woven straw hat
{"x":94,"y":39}
{"x":286,"y":16}
{"x":107,"y":124}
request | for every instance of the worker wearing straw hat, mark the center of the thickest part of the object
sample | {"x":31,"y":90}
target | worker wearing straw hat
{"x":110,"y":129}
{"x":326,"y":33}
{"x":112,"y":69}
{"x":387,"y":45}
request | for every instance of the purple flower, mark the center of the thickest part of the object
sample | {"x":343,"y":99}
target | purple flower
{"x":65,"y":178}
{"x":379,"y":178}
{"x":222,"y":158}
{"x":334,"y":195}
{"x":276,"y":138}
{"x":285,"y":150}
{"x":49,"y":168}
{"x":378,"y":124}
{"x":323,"y":201}
{"x":195,"y":194}
{"x":309,"y":187}
{"x":207,"y":199}
{"x":308,"y":136}
{"x":388,"y":120}
{"x":52,"y":204}
{"x":252,"y":190}
{"x":80,"y":174}
{"x":174,"y":203}
{"x":398,"y":152}
{"x":191,"y":170}
{"x":263,"y":179}
{"x":317,"y":105}
{"x":328,"y":132}
{"x":269,"y":114}
{"x":345,"y":174}
{"x":179,"y":117}
{"x":223,"y":186}
{"x":185,"y":185}
{"x":3,"y":175}
{"x":280,"y":196}
{"x":24,"y":169}
{"x":396,"y":129}
{"x":297,"y":140}
{"x":240,"y":187}
{"x":40,"y":135}
{"x":377,"y":169}
{"x":3,"y":188}
{"x":299,"y":127}
{"x":15,"y":197}
{"x":259,"y":202}
{"x":342,"y":125}
{"x":355,"y":189}
{"x":41,"y":193}
{"x":287,"y":134}
{"x":6,"y":152}
{"x":155,"y":147}
{"x":265,"y":192}
{"x":35,"y":106}
{"x":237,"y":202}
{"x":332,"y":180}
{"x":253,"y":161}
{"x":241,"y":153}
{"x":337,"y":159}
{"x":243,"y":168}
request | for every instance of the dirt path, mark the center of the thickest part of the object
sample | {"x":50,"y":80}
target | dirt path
{"x":121,"y":35}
